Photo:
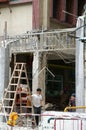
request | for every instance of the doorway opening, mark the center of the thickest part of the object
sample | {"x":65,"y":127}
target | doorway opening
{"x":60,"y":87}
{"x":24,"y":58}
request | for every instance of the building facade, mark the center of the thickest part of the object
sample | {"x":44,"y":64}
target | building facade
{"x":37,"y":32}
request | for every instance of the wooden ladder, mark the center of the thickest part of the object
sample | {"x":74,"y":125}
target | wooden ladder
{"x":15,"y":95}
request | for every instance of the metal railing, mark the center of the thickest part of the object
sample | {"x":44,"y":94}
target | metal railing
{"x":74,"y":107}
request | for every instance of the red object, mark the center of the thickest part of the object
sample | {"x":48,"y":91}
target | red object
{"x":36,"y":13}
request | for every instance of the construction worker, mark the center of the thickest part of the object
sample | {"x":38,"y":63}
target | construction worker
{"x":37,"y":103}
{"x":72,"y":102}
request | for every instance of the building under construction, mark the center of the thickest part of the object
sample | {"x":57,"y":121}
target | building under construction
{"x":44,"y":39}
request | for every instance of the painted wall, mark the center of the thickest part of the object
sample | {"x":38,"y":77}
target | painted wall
{"x":18,"y":18}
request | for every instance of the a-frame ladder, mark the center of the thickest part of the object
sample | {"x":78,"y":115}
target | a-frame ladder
{"x":15,"y":96}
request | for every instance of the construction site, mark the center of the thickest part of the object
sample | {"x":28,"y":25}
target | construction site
{"x":48,"y":56}
{"x":35,"y":61}
{"x":47,"y":65}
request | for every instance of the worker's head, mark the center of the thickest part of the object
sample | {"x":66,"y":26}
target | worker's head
{"x":38,"y":90}
{"x":73,"y":96}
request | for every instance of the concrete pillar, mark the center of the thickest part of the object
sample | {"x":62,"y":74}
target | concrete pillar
{"x":7,"y":66}
{"x":80,"y":65}
{"x":35,"y":71}
{"x":46,"y":13}
{"x":42,"y":74}
{"x":85,"y":56}
{"x":41,"y":14}
{"x":39,"y":72}
{"x":4,"y":70}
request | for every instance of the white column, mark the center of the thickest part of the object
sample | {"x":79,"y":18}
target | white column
{"x":80,"y":65}
{"x":4,"y":70}
{"x":46,"y":13}
{"x":42,"y":74}
{"x":85,"y":56}
{"x":35,"y":70}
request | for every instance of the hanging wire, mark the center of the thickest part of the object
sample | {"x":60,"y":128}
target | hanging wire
{"x":70,"y":34}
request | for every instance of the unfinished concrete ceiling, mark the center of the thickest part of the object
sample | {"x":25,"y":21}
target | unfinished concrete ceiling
{"x":65,"y":55}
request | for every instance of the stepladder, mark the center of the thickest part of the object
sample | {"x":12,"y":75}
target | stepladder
{"x":17,"y":95}
{"x":17,"y":90}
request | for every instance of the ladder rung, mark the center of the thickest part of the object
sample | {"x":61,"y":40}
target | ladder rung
{"x":8,"y":99}
{"x":13,"y":84}
{"x":15,"y":77}
{"x":26,"y":106}
{"x":19,"y":77}
{"x":20,"y":63}
{"x":8,"y":91}
{"x":7,"y":106}
{"x":23,"y":78}
{"x":19,"y":70}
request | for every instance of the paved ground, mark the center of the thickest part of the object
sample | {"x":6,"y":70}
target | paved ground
{"x":4,"y":126}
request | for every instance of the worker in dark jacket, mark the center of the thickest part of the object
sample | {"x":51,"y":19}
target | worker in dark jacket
{"x":72,"y":102}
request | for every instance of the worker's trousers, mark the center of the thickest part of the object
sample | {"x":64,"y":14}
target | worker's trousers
{"x":37,"y":110}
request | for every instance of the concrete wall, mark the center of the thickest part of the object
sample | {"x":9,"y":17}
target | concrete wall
{"x":18,"y":18}
{"x":4,"y":70}
{"x":56,"y":25}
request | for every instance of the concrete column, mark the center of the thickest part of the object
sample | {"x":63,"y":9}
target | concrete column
{"x":4,"y":70}
{"x":42,"y":73}
{"x":46,"y":13}
{"x":7,"y":66}
{"x":41,"y":14}
{"x":39,"y":72}
{"x":80,"y":65}
{"x":35,"y":71}
{"x":85,"y":56}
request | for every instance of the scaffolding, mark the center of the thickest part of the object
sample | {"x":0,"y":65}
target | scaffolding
{"x":57,"y":41}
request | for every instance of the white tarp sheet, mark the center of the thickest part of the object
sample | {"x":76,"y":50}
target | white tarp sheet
{"x":52,"y":120}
